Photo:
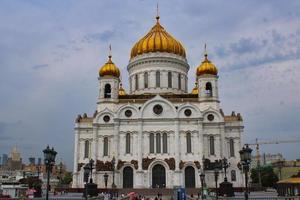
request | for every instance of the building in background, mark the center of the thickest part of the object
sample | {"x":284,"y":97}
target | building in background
{"x":158,"y":132}
{"x":266,"y":159}
{"x":31,"y":160}
{"x":286,"y":168}
{"x":4,"y":159}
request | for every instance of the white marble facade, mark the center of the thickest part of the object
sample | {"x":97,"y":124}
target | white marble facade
{"x":169,"y":143}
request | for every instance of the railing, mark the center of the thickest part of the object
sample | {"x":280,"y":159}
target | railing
{"x":258,"y":198}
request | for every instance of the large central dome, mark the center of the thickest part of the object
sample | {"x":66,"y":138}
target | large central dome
{"x":157,"y":40}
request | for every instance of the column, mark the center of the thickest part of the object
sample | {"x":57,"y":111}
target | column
{"x":201,"y":140}
{"x":75,"y":174}
{"x":177,"y":172}
{"x":139,"y":173}
{"x":116,"y":150}
{"x":177,"y":145}
{"x":140,"y":144}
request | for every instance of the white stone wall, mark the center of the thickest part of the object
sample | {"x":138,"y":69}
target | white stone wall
{"x":174,"y":123}
{"x":164,"y":63}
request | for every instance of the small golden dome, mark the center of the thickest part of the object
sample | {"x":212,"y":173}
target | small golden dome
{"x":206,"y":67}
{"x":195,"y":90}
{"x":121,"y":91}
{"x":157,"y":40}
{"x":109,"y":68}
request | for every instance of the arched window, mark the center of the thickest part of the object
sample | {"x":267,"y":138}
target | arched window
{"x":212,"y":145}
{"x":157,"y":79}
{"x":188,"y":143}
{"x":170,"y":79}
{"x":107,"y":91}
{"x":151,"y":143}
{"x":233,"y":175}
{"x":136,"y":81}
{"x":146,"y":80}
{"x":86,"y":149}
{"x":208,"y":89}
{"x":127,"y":143}
{"x":158,"y":143}
{"x":179,"y":81}
{"x":165,"y":143}
{"x":231,"y":148}
{"x":105,"y":146}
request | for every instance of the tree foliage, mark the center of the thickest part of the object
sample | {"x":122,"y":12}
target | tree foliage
{"x":296,"y":175}
{"x":67,"y":179}
{"x":268,"y":177}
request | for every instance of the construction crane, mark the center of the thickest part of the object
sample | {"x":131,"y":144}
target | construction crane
{"x":258,"y":143}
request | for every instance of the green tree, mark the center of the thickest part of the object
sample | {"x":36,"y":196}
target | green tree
{"x":296,"y":175}
{"x":67,"y":179}
{"x":268,"y":177}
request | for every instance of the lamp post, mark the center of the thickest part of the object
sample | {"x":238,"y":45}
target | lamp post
{"x":105,"y":179}
{"x":202,"y":178}
{"x":49,"y":159}
{"x":113,"y":162}
{"x":216,"y":173}
{"x":225,"y":165}
{"x":91,"y":167}
{"x":245,"y":154}
{"x":86,"y":172}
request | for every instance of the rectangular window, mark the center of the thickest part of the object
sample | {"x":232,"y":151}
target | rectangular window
{"x":146,"y":80}
{"x":86,"y":149}
{"x":127,"y":143}
{"x":151,"y":143}
{"x":158,"y":143}
{"x":231,"y":147}
{"x":157,"y":79}
{"x":136,"y":82}
{"x":212,"y":145}
{"x":170,"y":79}
{"x":105,"y":146}
{"x":165,"y":143}
{"x":179,"y":81}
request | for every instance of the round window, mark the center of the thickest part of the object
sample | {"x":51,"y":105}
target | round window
{"x":157,"y":109}
{"x":106,"y":118}
{"x":128,"y":113}
{"x":188,"y":112}
{"x":210,"y":117}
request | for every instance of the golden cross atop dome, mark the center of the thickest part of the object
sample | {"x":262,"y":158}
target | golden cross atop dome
{"x":205,"y":51}
{"x":109,"y":52}
{"x":157,"y":12}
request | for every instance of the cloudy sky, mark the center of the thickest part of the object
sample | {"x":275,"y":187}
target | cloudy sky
{"x":50,"y":53}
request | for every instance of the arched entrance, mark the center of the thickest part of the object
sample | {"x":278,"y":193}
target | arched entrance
{"x":127,"y":177}
{"x":189,"y":176}
{"x":158,"y":176}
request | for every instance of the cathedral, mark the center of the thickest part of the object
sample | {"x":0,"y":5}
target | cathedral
{"x":157,"y":133}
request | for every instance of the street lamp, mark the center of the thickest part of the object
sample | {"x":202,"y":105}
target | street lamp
{"x":225,"y":165}
{"x":105,"y":179}
{"x":49,"y":159}
{"x":91,"y":167}
{"x":216,"y":173}
{"x":202,"y":178}
{"x":88,"y":173}
{"x":113,"y":162}
{"x":245,"y":154}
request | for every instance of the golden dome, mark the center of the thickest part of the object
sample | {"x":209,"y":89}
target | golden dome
{"x":121,"y":91}
{"x":109,"y":68}
{"x":157,"y":40}
{"x":206,"y":67}
{"x":195,"y":90}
